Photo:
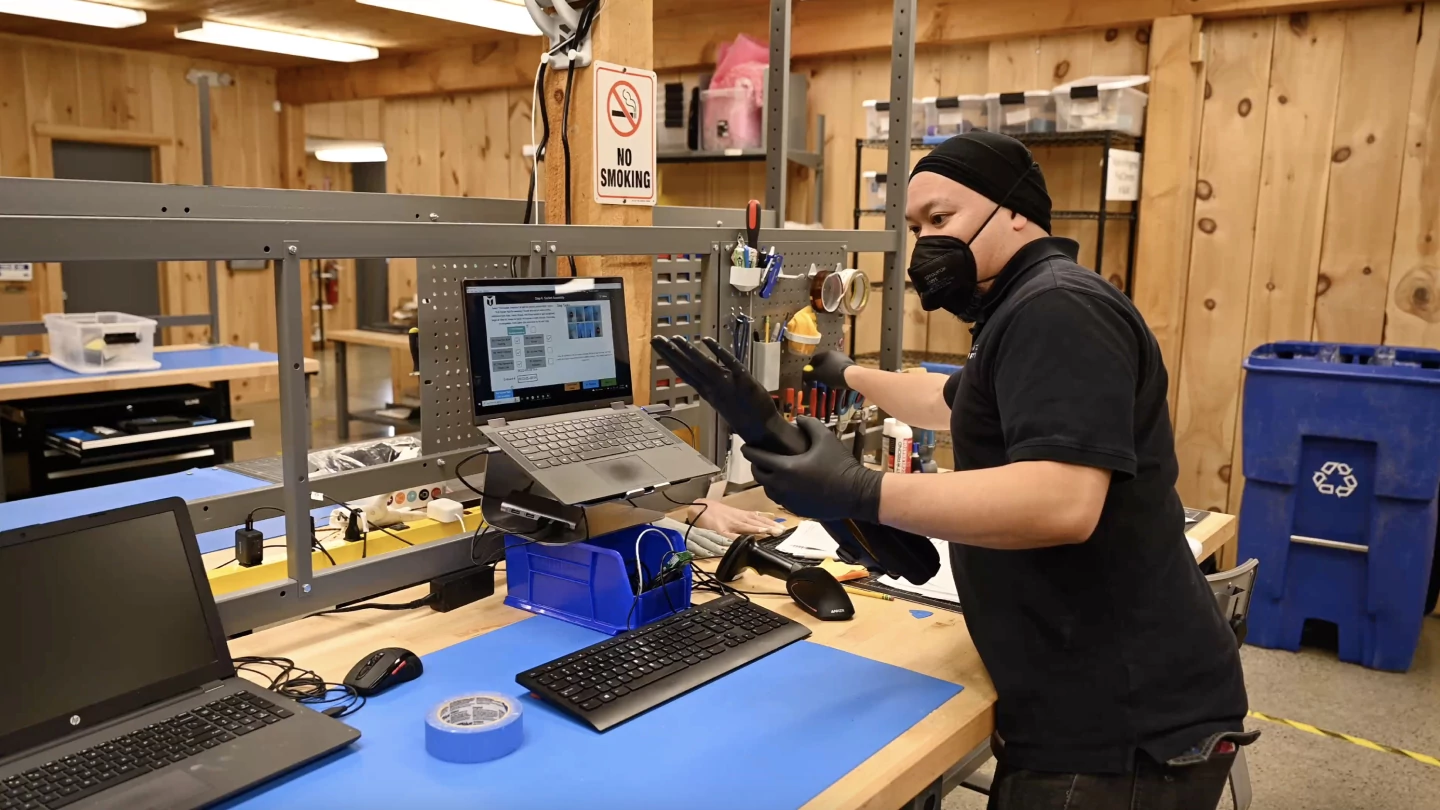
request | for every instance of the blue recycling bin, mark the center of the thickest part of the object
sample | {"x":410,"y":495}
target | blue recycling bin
{"x":1342,"y":467}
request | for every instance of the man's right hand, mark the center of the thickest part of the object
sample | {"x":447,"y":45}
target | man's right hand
{"x":829,"y":369}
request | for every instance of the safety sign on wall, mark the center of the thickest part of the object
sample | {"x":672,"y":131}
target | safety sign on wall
{"x":624,"y":135}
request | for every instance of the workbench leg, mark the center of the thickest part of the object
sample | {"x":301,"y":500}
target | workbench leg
{"x":1228,"y":555}
{"x":342,"y":392}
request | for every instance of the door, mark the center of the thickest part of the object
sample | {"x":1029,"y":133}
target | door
{"x":372,"y":276}
{"x":132,"y":287}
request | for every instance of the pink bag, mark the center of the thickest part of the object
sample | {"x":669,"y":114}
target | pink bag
{"x":733,"y":103}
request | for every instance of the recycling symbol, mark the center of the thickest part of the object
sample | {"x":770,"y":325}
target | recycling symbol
{"x":1323,"y":477}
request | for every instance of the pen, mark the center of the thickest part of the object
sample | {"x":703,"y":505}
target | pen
{"x":872,"y":594}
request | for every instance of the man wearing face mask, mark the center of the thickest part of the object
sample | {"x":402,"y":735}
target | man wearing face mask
{"x":1119,"y":683}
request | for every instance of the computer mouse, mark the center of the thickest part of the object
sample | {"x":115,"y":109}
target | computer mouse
{"x":383,"y":669}
{"x":818,"y":593}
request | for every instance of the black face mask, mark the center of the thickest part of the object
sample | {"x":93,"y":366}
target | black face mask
{"x":944,"y":273}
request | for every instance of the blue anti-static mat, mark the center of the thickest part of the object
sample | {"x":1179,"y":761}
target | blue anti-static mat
{"x":191,"y":485}
{"x":772,"y":734}
{"x":169,"y":361}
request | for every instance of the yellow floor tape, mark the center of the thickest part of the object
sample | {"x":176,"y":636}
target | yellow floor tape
{"x":1360,"y":741}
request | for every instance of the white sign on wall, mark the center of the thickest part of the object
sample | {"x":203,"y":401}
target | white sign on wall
{"x":1123,"y":182}
{"x":624,"y":135}
{"x":17,"y":271}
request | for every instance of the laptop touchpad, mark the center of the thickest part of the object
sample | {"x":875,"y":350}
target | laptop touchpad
{"x":628,"y":473}
{"x":167,"y":790}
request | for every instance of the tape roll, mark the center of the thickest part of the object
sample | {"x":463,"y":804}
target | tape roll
{"x":474,"y":728}
{"x":826,"y":290}
{"x":857,"y":292}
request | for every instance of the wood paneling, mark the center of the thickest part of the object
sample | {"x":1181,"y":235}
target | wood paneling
{"x":1413,"y":308}
{"x":1365,"y":163}
{"x":1227,"y":187}
{"x":483,"y":66}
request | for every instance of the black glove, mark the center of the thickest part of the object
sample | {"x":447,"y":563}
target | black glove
{"x":824,"y":483}
{"x":828,"y":369}
{"x":740,"y":400}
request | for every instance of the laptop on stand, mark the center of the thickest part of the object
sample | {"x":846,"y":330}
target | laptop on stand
{"x":550,"y":369}
{"x":119,"y":691}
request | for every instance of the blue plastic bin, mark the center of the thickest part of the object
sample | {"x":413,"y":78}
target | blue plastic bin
{"x":592,"y":583}
{"x":1342,"y":467}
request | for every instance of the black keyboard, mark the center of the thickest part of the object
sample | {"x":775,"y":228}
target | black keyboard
{"x":613,"y":681}
{"x":69,"y":779}
{"x":587,"y":438}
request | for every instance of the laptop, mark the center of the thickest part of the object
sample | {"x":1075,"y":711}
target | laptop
{"x":120,"y":692}
{"x":550,"y":368}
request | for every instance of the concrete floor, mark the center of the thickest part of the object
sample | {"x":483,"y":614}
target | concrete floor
{"x":1289,"y":768}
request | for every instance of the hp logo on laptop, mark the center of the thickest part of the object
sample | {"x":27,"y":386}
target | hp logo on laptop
{"x":74,"y":719}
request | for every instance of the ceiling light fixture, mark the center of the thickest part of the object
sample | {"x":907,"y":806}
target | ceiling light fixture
{"x":258,"y":39}
{"x":501,"y":15}
{"x":335,"y":151}
{"x":75,"y":11}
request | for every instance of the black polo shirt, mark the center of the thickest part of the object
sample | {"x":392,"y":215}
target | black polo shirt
{"x":1113,"y":645}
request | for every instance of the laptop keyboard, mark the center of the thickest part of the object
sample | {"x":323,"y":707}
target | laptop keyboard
{"x":586,"y":439}
{"x":83,"y":774}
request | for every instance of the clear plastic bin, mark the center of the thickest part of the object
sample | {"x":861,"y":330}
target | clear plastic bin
{"x":872,"y":191}
{"x":1019,"y":113}
{"x":877,"y":119}
{"x":101,"y":342}
{"x":1101,"y":103}
{"x":955,"y":115}
{"x":731,"y":119}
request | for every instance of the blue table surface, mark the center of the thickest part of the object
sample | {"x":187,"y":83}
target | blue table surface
{"x":180,"y":360}
{"x":207,"y":482}
{"x":772,"y":734}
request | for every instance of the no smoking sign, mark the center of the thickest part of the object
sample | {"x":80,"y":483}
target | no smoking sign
{"x":624,"y":135}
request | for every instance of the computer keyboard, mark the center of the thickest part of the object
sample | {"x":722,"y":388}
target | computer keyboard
{"x":586,"y":439}
{"x":100,"y":767}
{"x":613,"y":681}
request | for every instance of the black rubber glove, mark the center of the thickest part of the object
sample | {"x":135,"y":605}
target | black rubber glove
{"x":823,"y":483}
{"x":829,"y":369}
{"x":740,"y":400}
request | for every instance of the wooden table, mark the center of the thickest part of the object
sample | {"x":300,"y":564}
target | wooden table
{"x":395,"y":341}
{"x":938,"y":645}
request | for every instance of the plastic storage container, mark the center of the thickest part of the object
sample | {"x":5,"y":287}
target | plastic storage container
{"x":1342,"y":465}
{"x":101,"y":342}
{"x":592,"y":584}
{"x":953,"y":115}
{"x":731,"y":119}
{"x":877,"y":119}
{"x":1100,"y":103}
{"x":872,"y":191}
{"x":1019,"y":113}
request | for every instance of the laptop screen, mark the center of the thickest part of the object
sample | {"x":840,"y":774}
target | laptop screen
{"x":546,"y":345}
{"x":101,"y":620}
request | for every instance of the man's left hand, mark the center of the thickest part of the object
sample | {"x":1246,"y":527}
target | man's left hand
{"x":823,"y":483}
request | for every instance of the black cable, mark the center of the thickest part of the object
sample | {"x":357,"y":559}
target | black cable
{"x":424,"y":601}
{"x":234,"y":560}
{"x":347,"y":507}
{"x":690,"y":428}
{"x":300,"y":684}
{"x":250,"y":518}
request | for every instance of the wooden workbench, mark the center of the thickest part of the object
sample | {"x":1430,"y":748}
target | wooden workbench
{"x":130,"y":381}
{"x":938,"y":645}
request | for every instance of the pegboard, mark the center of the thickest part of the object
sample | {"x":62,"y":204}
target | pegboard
{"x":683,"y":307}
{"x":447,"y":411}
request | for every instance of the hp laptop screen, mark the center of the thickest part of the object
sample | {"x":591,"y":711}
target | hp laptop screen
{"x":546,"y":345}
{"x":100,"y":619}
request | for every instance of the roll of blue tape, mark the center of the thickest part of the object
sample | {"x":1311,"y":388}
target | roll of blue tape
{"x":474,"y":728}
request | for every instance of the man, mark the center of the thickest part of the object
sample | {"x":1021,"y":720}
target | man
{"x":1119,"y":683}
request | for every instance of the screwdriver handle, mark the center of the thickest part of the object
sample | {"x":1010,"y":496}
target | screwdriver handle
{"x":752,"y":224}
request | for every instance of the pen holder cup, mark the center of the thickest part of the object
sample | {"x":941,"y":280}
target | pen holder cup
{"x":802,"y":345}
{"x":766,"y":365}
{"x":592,"y":584}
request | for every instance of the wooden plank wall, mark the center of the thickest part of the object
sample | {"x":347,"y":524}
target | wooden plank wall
{"x":838,"y":86}
{"x":114,"y":92}
{"x":1315,"y":209}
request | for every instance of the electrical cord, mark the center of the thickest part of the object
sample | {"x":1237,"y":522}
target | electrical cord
{"x":234,"y":560}
{"x":689,"y":428}
{"x":301,"y":685}
{"x":424,"y":601}
{"x":365,"y":547}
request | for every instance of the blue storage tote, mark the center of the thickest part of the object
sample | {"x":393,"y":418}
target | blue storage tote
{"x":1342,"y":467}
{"x":592,"y":583}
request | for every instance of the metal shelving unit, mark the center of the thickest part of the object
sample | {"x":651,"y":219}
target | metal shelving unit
{"x":814,"y":161}
{"x":1103,"y":140}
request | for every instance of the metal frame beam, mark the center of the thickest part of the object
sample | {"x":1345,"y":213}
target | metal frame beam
{"x":778,"y":103}
{"x":902,"y":65}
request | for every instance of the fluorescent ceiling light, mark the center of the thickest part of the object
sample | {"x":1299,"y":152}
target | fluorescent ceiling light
{"x":258,"y":39}
{"x":502,"y":15}
{"x":75,"y":11}
{"x":335,"y":151}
